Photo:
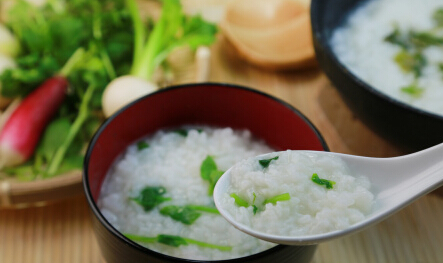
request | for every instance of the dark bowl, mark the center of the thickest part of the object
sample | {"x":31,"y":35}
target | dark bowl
{"x":268,"y":118}
{"x":407,"y":127}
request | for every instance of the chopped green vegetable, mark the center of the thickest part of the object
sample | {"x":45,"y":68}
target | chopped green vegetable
{"x":437,"y":16}
{"x":397,"y":38}
{"x":184,"y":214}
{"x":142,"y":145}
{"x":202,"y":208}
{"x":150,"y":197}
{"x":327,"y":183}
{"x":278,"y":198}
{"x":239,"y":201}
{"x":182,"y":132}
{"x":210,"y":173}
{"x":176,"y":241}
{"x":272,"y":200}
{"x":413,"y":90}
{"x":422,"y":40}
{"x":411,"y":63}
{"x":265,"y":162}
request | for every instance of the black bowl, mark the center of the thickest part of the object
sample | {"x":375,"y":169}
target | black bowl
{"x":268,"y":118}
{"x":410,"y":128}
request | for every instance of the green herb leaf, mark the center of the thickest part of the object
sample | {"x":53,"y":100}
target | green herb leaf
{"x":210,"y":173}
{"x":397,"y":38}
{"x":238,"y":200}
{"x":327,"y":183}
{"x":142,"y":145}
{"x":413,"y":90}
{"x":422,"y":40}
{"x":182,"y":132}
{"x":437,"y":16}
{"x":53,"y":137}
{"x":278,"y":198}
{"x":183,"y":214}
{"x":150,"y":197}
{"x":411,"y":63}
{"x":265,"y":163}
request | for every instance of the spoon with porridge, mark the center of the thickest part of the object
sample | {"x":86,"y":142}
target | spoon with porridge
{"x":307,"y":197}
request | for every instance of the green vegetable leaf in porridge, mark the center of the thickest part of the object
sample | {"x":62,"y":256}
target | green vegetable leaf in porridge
{"x":183,"y":214}
{"x":411,"y":63}
{"x":210,"y":173}
{"x":327,"y":183}
{"x":142,"y":145}
{"x":438,"y":17}
{"x":239,"y":201}
{"x":413,"y":90}
{"x":273,"y":200}
{"x":150,"y":197}
{"x":265,"y":162}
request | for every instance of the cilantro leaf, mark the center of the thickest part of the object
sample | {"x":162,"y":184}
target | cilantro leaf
{"x":184,"y":214}
{"x":327,"y":183}
{"x":265,"y":162}
{"x":210,"y":173}
{"x":150,"y":197}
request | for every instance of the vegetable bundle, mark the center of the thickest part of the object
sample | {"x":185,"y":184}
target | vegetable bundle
{"x":76,"y":48}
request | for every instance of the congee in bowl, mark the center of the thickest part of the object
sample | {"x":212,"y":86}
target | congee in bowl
{"x":396,"y":46}
{"x":385,"y":59}
{"x":150,"y":170}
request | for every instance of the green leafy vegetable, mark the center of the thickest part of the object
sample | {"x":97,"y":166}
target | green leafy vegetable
{"x":272,"y":200}
{"x":437,"y":17}
{"x":278,"y":198}
{"x":142,"y":145}
{"x":413,"y":90}
{"x":210,"y":173}
{"x":173,"y":29}
{"x":265,"y":162}
{"x":239,"y":201}
{"x":411,"y":63}
{"x":327,"y":183}
{"x":176,"y":241}
{"x":150,"y":197}
{"x":183,"y":214}
{"x":182,"y":132}
{"x":186,"y":214}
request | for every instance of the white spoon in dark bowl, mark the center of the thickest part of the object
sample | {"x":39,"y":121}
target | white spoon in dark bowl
{"x":395,"y":183}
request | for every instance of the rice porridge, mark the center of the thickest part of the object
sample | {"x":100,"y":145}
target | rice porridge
{"x":396,"y":46}
{"x":178,"y":169}
{"x":296,"y":193}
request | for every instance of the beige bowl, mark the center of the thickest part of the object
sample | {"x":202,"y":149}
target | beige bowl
{"x":274,"y":34}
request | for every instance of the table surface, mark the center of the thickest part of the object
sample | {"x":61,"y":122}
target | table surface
{"x":62,"y":231}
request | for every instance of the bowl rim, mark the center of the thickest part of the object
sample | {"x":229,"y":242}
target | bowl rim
{"x":96,"y":211}
{"x":327,"y":50}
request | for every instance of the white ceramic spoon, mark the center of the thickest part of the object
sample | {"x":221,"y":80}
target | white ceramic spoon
{"x":396,"y":182}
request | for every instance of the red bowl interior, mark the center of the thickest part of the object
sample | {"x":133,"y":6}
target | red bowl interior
{"x":268,"y":118}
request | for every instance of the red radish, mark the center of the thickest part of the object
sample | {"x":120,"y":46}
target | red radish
{"x":23,"y":129}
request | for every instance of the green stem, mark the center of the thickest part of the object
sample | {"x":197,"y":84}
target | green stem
{"x":145,"y":68}
{"x":139,"y":32}
{"x":202,"y":208}
{"x":75,"y":128}
{"x":72,"y":61}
